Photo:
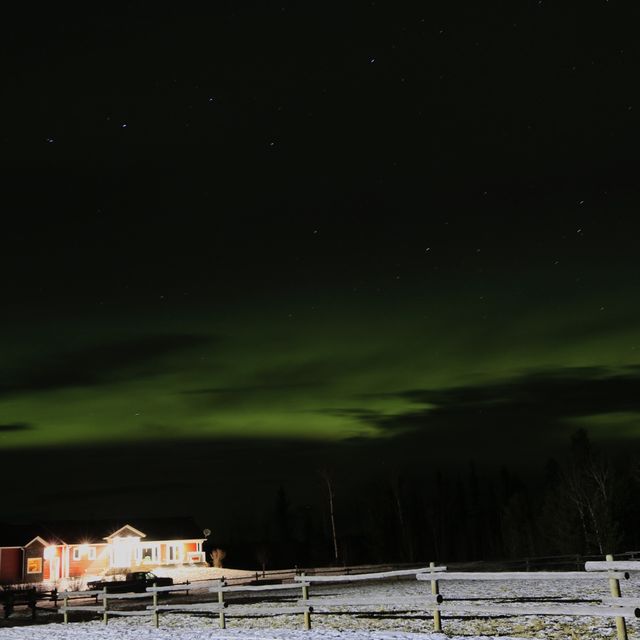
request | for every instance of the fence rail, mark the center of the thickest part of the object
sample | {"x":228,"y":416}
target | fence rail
{"x":523,"y":575}
{"x":613,"y":565}
{"x":434,"y":603}
{"x":369,"y":576}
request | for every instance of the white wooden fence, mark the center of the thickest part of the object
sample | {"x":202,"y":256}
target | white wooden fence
{"x":434,"y":603}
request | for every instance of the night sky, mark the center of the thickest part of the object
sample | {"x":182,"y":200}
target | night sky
{"x":250,"y":240}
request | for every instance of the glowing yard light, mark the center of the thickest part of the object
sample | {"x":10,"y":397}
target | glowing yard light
{"x":49,"y":552}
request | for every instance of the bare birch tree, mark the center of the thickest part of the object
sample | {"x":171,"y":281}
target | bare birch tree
{"x":327,"y":478}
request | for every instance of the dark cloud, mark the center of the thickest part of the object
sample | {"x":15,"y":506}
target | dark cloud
{"x":562,"y":393}
{"x":216,"y":391}
{"x":541,"y":401}
{"x":311,"y":372}
{"x":364,"y":415}
{"x":269,"y":380}
{"x":15,"y":426}
{"x":154,"y":429}
{"x":515,"y":419}
{"x":95,"y":365}
{"x":230,"y":396}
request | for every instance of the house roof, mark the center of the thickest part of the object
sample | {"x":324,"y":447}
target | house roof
{"x":127,"y":530}
{"x":77,"y":531}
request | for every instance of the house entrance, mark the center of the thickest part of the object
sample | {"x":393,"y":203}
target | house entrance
{"x":54,"y":568}
{"x":174,"y":553}
{"x":122,"y":551}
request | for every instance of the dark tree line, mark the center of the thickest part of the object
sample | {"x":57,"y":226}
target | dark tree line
{"x":584,"y":504}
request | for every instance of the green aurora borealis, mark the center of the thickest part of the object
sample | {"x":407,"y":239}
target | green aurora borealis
{"x":326,"y":368}
{"x":255,"y":241}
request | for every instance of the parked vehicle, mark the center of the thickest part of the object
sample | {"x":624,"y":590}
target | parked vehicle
{"x":136,"y":581}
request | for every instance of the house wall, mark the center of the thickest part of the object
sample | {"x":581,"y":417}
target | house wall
{"x":36,"y":562}
{"x":163,"y":551}
{"x":34,"y":559}
{"x":10,"y":565}
{"x":83,"y":566}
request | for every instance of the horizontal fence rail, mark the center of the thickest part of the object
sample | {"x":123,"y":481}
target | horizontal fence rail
{"x":241,"y":611}
{"x":522,"y":575}
{"x":355,"y":577}
{"x":531,"y":608}
{"x":204,"y":606}
{"x":432,"y":602}
{"x":417,"y":604}
{"x":614,"y":565}
{"x":79,"y":594}
{"x":263,"y":587}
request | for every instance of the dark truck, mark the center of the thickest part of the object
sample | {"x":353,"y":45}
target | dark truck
{"x":136,"y":581}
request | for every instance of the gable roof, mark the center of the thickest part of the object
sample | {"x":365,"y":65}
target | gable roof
{"x":43,"y":542}
{"x":127,"y":530}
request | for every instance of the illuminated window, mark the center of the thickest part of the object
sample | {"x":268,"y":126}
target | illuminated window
{"x":148,"y":554}
{"x":84,"y":550}
{"x":174,"y":552}
{"x":34,"y":565}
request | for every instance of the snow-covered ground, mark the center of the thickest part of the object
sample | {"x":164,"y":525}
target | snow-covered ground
{"x":372,"y":622}
{"x":95,"y":631}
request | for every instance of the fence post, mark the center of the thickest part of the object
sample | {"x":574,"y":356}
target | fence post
{"x":65,"y":615}
{"x":156,"y":613}
{"x":305,"y":596}
{"x":437,"y":622}
{"x":223,"y":619}
{"x":614,"y":586}
{"x":105,"y":616}
{"x":33,"y":602}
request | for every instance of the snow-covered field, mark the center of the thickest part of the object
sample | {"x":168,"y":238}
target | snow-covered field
{"x":372,"y":622}
{"x":92,"y":631}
